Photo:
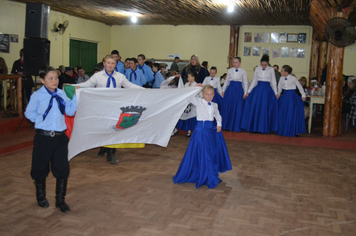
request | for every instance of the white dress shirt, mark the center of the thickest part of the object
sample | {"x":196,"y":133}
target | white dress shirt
{"x":215,"y":82}
{"x":206,"y":112}
{"x":192,"y":85}
{"x":267,"y":75}
{"x":288,"y":83}
{"x":100,"y":80}
{"x":240,"y":76}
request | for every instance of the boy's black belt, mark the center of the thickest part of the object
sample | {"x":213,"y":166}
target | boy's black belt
{"x":48,"y":133}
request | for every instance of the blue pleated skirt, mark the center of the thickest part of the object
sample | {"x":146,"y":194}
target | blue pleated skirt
{"x":290,"y":114}
{"x":233,"y":107}
{"x":261,"y":110}
{"x":205,"y":157}
{"x":186,"y":125}
{"x":218,"y":100}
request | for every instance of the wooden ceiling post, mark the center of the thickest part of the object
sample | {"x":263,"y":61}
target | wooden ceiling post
{"x":234,"y":42}
{"x":314,"y":58}
{"x":323,"y":54}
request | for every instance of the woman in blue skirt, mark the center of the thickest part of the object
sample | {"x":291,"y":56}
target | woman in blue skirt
{"x":261,"y":106}
{"x":207,"y":154}
{"x":234,"y":92}
{"x":188,"y":120}
{"x":215,"y":82}
{"x":290,"y":105}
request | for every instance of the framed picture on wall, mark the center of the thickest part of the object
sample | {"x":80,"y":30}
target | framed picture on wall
{"x":285,"y":52}
{"x":5,"y":43}
{"x":258,"y":37}
{"x":247,"y":51}
{"x":275,"y":52}
{"x":302,"y":38}
{"x":265,"y":51}
{"x":14,"y":38}
{"x":248,"y":37}
{"x":282,"y":37}
{"x":256,"y":51}
{"x":274,"y":37}
{"x":292,"y":38}
{"x":301,"y":53}
{"x":265,"y":37}
{"x":293,"y":52}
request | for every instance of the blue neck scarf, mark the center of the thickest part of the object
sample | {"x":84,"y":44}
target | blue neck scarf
{"x":60,"y":102}
{"x":133,"y":72}
{"x":141,"y":67}
{"x":111,"y":78}
{"x":236,"y":70}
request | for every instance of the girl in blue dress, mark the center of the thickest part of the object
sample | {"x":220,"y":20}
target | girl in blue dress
{"x":190,"y":113}
{"x":207,"y":154}
{"x":261,"y":107}
{"x":234,"y":92}
{"x":214,"y":81}
{"x":290,"y":105}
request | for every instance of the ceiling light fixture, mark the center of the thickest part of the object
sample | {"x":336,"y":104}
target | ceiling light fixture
{"x":133,"y":19}
{"x":230,"y":8}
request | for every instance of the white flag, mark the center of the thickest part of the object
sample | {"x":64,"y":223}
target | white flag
{"x":111,"y":116}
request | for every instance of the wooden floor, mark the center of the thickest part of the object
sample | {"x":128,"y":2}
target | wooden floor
{"x":272,"y":190}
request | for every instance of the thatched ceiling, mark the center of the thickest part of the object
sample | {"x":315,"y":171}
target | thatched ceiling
{"x":186,"y":12}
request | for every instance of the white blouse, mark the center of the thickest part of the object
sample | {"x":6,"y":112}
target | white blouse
{"x":290,"y":82}
{"x":239,"y":75}
{"x":215,"y":82}
{"x":100,"y":79}
{"x":187,"y":84}
{"x":206,"y":112}
{"x":267,"y":75}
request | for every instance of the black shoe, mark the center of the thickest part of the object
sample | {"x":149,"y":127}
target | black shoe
{"x":61,"y":190}
{"x":111,"y":156}
{"x":41,"y":193}
{"x":102,"y":151}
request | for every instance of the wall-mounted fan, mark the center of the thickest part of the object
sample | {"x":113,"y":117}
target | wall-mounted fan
{"x":59,"y":27}
{"x":339,"y":32}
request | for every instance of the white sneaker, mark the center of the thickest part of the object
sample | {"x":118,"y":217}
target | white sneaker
{"x":174,"y":132}
{"x":189,"y":133}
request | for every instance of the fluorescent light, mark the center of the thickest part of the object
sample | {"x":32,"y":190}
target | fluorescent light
{"x":134,"y":19}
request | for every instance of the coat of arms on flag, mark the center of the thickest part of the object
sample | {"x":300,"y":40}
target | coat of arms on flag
{"x":129,"y":117}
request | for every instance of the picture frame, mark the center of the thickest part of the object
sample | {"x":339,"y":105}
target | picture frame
{"x":14,"y":38}
{"x":301,"y":53}
{"x":284,"y":51}
{"x":302,"y":38}
{"x":292,"y":38}
{"x":265,"y":51}
{"x":256,"y":51}
{"x":5,"y":43}
{"x":265,"y":37}
{"x":257,"y":37}
{"x":293,"y":52}
{"x":247,"y":37}
{"x":282,"y":37}
{"x":275,"y":52}
{"x":247,"y":51}
{"x":274,"y":38}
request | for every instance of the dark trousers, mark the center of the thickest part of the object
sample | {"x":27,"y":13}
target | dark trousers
{"x":50,"y":151}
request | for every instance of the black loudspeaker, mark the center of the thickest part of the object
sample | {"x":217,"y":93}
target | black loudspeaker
{"x":37,"y":20}
{"x":36,"y":55}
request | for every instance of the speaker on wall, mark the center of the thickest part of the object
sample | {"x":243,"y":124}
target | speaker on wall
{"x":36,"y":55}
{"x":37,"y":20}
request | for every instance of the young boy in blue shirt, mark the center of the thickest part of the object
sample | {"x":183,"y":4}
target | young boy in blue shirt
{"x":146,"y":70}
{"x":135,"y":75}
{"x":50,"y":146}
{"x":119,"y":66}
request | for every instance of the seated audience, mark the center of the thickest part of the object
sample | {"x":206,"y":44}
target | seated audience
{"x":82,"y":77}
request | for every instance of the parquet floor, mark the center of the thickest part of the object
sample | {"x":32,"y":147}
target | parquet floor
{"x":272,"y":190}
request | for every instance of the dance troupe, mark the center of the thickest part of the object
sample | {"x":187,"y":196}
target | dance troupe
{"x":255,"y":109}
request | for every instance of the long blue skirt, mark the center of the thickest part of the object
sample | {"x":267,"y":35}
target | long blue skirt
{"x":205,"y":157}
{"x":218,"y":100}
{"x":186,"y":125}
{"x":261,"y":110}
{"x":233,"y":107}
{"x":290,"y":114}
